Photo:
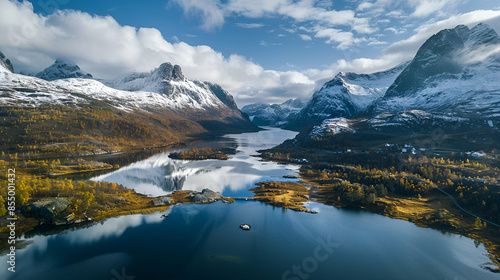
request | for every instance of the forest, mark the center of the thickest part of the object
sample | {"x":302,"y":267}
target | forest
{"x":56,"y":130}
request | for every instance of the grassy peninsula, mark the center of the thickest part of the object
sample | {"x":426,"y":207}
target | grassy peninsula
{"x":288,"y":195}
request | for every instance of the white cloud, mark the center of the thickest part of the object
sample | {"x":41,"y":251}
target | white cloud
{"x":408,"y":47}
{"x":405,"y":50}
{"x":249,"y":25}
{"x":396,"y":31}
{"x":300,"y":11}
{"x":395,"y":14}
{"x":208,"y":11}
{"x":342,"y":38}
{"x":425,"y":8}
{"x":107,"y":49}
{"x":365,"y":6}
{"x":379,"y":7}
{"x":305,"y":37}
{"x":374,"y":41}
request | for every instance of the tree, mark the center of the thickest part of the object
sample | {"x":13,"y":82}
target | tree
{"x":3,"y":211}
{"x":88,"y":200}
{"x":22,"y":193}
{"x":370,"y":199}
{"x":478,"y":224}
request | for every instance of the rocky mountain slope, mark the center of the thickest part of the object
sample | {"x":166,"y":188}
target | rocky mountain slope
{"x":5,"y":64}
{"x":454,"y":74}
{"x":455,"y":71}
{"x":347,"y":95}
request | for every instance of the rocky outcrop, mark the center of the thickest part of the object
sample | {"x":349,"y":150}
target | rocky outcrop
{"x":206,"y":196}
{"x":161,"y":201}
{"x":6,"y":63}
{"x":48,"y":208}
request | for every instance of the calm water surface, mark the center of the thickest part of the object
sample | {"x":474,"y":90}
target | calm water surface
{"x":160,"y":175}
{"x":205,"y":242}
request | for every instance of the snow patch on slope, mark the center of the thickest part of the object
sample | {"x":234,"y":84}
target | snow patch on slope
{"x":331,"y":126}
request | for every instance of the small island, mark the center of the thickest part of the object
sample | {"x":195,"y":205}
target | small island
{"x":204,"y":154}
{"x":288,"y":195}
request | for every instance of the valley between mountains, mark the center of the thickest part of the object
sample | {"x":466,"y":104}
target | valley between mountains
{"x":418,"y":142}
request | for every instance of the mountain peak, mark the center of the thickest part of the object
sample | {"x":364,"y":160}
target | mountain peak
{"x":167,"y":71}
{"x":454,"y":71}
{"x":482,"y":34}
{"x":6,"y":63}
{"x":62,"y":69}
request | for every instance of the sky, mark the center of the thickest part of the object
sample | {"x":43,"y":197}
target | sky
{"x":259,"y":50}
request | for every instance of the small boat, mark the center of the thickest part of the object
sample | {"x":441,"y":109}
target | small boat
{"x":245,"y":227}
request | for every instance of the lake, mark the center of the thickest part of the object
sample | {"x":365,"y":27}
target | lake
{"x":205,"y":242}
{"x":160,"y":175}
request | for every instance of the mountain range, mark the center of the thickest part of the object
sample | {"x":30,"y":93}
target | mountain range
{"x":454,"y":74}
{"x":163,"y":89}
{"x":66,"y":105}
{"x":273,"y":114}
{"x":452,"y":78}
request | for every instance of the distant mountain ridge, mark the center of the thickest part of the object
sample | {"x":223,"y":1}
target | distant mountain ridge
{"x":274,"y":114}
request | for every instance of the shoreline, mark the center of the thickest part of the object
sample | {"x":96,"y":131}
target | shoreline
{"x":417,"y":211}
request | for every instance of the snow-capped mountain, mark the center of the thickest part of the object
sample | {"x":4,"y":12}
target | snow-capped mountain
{"x":5,"y":64}
{"x":423,"y":128}
{"x":163,"y":91}
{"x":62,"y":69}
{"x":455,"y":71}
{"x":168,"y":81}
{"x":346,"y":95}
{"x":273,"y":114}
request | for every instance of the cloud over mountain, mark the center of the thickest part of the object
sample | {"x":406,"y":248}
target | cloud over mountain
{"x":107,"y":49}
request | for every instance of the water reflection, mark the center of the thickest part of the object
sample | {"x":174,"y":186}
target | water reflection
{"x":160,"y":175}
{"x":204,"y":242}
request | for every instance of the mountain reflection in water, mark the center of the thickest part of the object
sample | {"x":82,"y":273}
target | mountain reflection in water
{"x":160,"y":175}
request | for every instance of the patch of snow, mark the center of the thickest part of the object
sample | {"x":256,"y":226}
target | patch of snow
{"x":331,"y":126}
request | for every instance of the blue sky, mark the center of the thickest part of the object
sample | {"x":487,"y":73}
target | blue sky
{"x":260,"y":50}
